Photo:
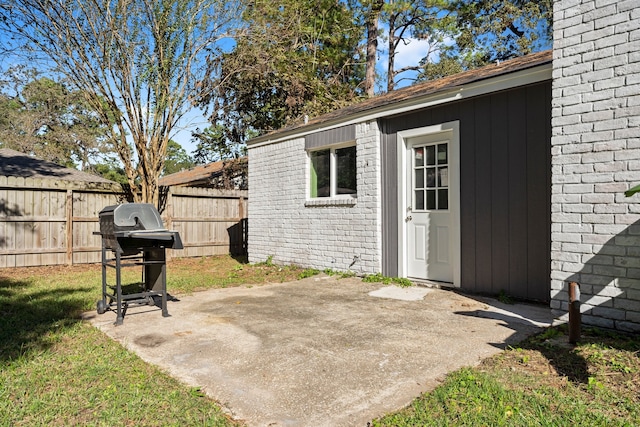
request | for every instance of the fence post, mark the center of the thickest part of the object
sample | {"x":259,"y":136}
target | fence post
{"x":169,"y":222}
{"x":69,"y":226}
{"x":243,"y":226}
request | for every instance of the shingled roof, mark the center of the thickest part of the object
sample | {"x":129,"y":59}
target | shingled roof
{"x":415,"y":92}
{"x":198,"y":176}
{"x":195,"y":176}
{"x":15,"y":163}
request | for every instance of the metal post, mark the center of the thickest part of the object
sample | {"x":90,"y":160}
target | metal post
{"x":120,"y":314}
{"x":575,"y":319}
{"x":104,"y":275}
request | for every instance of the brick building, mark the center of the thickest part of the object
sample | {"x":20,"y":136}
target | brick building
{"x":595,"y":158}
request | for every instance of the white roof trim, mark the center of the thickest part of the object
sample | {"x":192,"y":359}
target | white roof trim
{"x":482,"y":87}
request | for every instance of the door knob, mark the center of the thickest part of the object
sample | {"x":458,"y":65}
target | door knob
{"x":409,"y":218}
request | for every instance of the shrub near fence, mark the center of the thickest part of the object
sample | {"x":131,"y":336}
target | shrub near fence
{"x":48,"y":222}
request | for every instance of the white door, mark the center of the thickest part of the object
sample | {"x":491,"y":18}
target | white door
{"x":428,"y":214}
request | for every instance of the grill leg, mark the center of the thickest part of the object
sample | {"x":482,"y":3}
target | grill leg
{"x":104,"y":276}
{"x":165,"y":312}
{"x":120,"y":316}
{"x":156,"y":275}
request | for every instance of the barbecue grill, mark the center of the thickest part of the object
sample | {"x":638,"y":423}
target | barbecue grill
{"x":133,"y":235}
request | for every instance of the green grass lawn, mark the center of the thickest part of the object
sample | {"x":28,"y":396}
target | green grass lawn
{"x":544,"y":381}
{"x":58,"y":370}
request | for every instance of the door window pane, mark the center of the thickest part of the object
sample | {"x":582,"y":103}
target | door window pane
{"x":431,"y":177}
{"x":418,"y":156}
{"x":443,"y":199}
{"x":431,"y":155}
{"x":419,"y":202}
{"x":442,"y":154}
{"x":346,"y":170}
{"x":431,"y":199}
{"x":419,"y":178}
{"x":443,"y":176}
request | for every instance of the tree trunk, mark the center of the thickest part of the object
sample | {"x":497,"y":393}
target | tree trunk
{"x":392,"y":55}
{"x":372,"y":46}
{"x":149,"y":192}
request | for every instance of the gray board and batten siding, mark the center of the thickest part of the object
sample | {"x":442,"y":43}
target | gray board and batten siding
{"x":331,"y":136}
{"x":505,"y":194}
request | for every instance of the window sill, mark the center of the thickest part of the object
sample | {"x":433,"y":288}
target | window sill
{"x":327,"y":201}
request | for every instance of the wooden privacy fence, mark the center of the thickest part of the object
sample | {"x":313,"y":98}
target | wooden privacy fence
{"x":49,"y":222}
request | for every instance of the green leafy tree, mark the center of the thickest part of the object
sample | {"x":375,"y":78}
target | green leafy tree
{"x":177,"y":159}
{"x":110,"y":169}
{"x":504,"y":29}
{"x":138,"y":62}
{"x":43,"y":117}
{"x":299,"y":58}
{"x":460,"y":34}
{"x":491,"y":31}
{"x":213,"y":145}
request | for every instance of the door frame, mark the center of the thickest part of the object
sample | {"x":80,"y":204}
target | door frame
{"x":450,"y":131}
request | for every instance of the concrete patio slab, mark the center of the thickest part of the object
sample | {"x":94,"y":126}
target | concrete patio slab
{"x":321,"y":351}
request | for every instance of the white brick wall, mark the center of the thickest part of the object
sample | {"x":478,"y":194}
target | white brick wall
{"x":595,"y":158}
{"x":317,"y":236}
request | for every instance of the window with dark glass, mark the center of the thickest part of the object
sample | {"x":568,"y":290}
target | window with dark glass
{"x":320,"y":173}
{"x":346,"y":170}
{"x":333,"y":172}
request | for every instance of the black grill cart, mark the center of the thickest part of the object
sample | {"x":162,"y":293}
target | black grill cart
{"x":133,"y":235}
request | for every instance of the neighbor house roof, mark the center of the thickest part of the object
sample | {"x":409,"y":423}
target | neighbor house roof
{"x":15,"y":163}
{"x":198,"y":176}
{"x":195,"y":176}
{"x":412,"y":95}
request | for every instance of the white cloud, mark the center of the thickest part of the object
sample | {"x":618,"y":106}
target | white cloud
{"x":408,"y":53}
{"x":411,"y":53}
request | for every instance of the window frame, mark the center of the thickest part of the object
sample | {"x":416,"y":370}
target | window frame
{"x":333,"y":172}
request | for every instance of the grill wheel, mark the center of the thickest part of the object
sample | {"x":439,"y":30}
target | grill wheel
{"x":101,"y":307}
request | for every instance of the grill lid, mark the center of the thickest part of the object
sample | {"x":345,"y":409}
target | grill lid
{"x":134,"y":226}
{"x":133,"y":216}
